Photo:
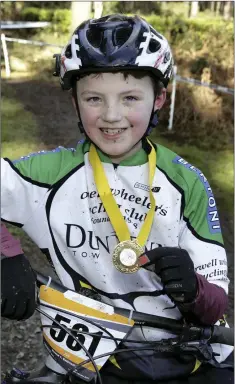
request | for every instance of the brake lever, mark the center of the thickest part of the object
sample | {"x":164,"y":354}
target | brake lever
{"x":202,"y":350}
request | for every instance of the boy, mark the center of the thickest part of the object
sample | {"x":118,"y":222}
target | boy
{"x":96,"y":208}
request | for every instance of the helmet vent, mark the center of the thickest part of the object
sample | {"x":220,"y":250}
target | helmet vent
{"x":154,"y":46}
{"x":122,"y":35}
{"x":94,"y":37}
{"x":155,"y":33}
{"x":167,"y":57}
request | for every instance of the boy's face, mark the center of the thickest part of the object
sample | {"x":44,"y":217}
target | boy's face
{"x":115,"y":111}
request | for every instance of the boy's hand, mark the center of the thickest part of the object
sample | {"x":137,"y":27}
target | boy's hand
{"x":176,"y":270}
{"x":18,"y":288}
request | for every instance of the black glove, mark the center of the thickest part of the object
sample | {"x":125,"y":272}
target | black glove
{"x":176,"y":270}
{"x":18,"y":288}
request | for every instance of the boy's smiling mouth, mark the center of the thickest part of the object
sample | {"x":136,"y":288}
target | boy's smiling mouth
{"x":112,"y":131}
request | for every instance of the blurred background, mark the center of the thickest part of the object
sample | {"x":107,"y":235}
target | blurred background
{"x":37,"y":114}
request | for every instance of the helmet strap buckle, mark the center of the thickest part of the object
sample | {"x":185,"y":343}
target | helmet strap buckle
{"x":57,"y":64}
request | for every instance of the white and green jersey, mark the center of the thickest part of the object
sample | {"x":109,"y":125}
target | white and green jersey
{"x":53,"y":197}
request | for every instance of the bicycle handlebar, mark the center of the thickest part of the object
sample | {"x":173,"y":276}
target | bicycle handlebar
{"x":223,"y":335}
{"x":189,"y":340}
{"x":214,"y":333}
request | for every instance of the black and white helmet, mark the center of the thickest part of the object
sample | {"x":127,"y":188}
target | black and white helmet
{"x":114,"y":43}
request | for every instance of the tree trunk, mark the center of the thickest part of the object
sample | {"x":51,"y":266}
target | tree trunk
{"x":222,"y":8}
{"x":13,"y":11}
{"x":80,"y":12}
{"x":98,"y":6}
{"x":189,"y":8}
{"x":19,"y":7}
{"x":217,"y":8}
{"x":194,"y":9}
{"x":203,"y":5}
{"x":232,"y":10}
{"x":212,"y":6}
{"x":227,"y":10}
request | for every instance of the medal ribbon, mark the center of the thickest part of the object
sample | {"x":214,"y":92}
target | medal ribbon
{"x":110,"y":205}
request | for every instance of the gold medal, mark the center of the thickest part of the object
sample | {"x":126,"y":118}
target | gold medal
{"x":125,"y":256}
{"x":127,"y":252}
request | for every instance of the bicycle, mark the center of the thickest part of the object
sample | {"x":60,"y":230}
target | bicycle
{"x":82,"y":353}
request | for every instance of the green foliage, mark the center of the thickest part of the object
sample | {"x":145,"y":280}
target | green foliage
{"x":202,"y":30}
{"x":19,"y":128}
{"x":6,"y":10}
{"x":175,"y":8}
{"x":179,"y":28}
{"x":46,"y":14}
{"x":10,"y":10}
{"x":134,"y":7}
{"x":36,"y":14}
{"x":62,"y":20}
{"x":50,"y":4}
{"x":158,"y":23}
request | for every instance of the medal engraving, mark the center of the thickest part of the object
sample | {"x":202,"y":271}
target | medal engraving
{"x":128,"y":257}
{"x":125,"y":256}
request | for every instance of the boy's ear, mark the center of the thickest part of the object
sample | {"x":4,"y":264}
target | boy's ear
{"x":160,"y":100}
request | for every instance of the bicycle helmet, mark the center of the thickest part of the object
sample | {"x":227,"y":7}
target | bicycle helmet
{"x":114,"y":43}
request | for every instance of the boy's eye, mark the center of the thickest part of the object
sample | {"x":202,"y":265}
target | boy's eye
{"x":94,"y":99}
{"x":131,"y":98}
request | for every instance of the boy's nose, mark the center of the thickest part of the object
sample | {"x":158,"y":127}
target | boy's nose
{"x":111,"y":114}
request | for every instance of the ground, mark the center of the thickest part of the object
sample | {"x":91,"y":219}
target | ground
{"x":53,"y":111}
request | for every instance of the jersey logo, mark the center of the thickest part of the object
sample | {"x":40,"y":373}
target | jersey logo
{"x":212,"y":212}
{"x":145,"y":187}
{"x":39,"y":153}
{"x":156,"y":189}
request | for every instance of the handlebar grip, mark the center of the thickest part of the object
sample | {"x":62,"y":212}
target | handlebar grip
{"x":222,"y":335}
{"x":43,"y":280}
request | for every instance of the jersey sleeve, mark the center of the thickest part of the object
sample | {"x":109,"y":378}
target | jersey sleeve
{"x":201,"y":236}
{"x":25,"y":182}
{"x":21,"y":195}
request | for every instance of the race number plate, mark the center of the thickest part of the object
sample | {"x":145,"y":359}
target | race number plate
{"x":62,"y":347}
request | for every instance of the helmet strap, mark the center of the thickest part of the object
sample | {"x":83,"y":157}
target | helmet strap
{"x":152,"y":123}
{"x":80,"y":125}
{"x":81,"y":128}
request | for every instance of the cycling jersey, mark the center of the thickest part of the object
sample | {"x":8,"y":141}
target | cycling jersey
{"x":53,"y":197}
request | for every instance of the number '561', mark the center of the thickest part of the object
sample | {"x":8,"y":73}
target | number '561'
{"x":61,"y":334}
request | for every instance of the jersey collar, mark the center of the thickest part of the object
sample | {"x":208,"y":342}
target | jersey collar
{"x":138,"y":158}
